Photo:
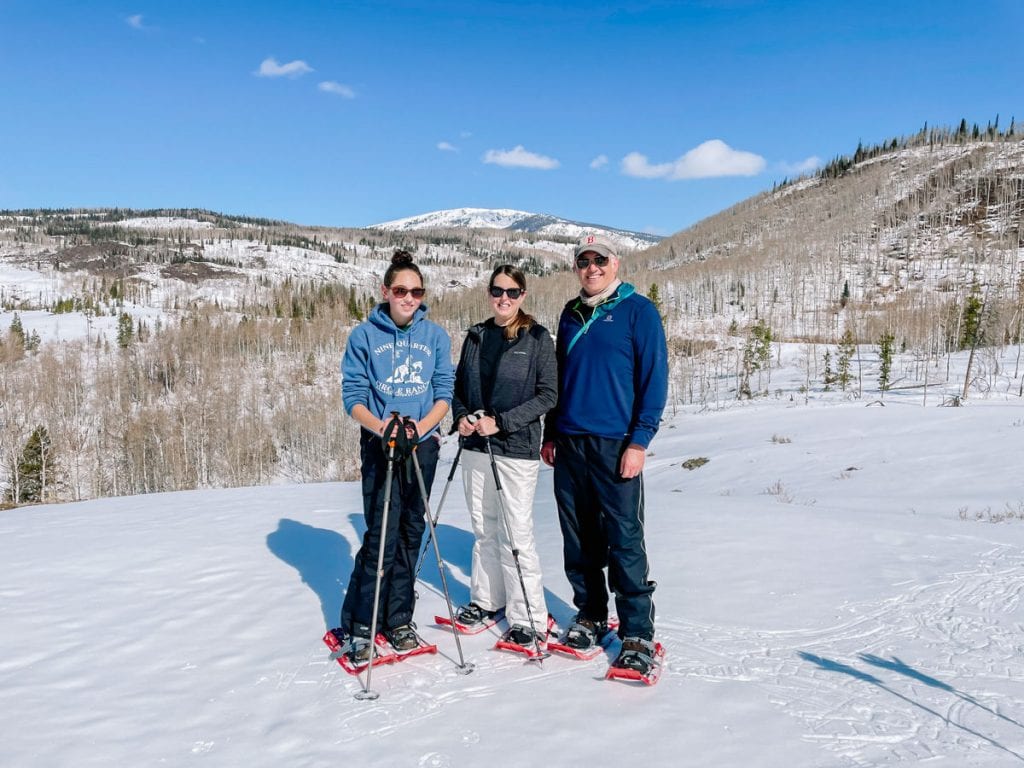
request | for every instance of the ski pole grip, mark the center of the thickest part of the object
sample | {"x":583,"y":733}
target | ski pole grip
{"x":390,"y":434}
{"x":410,"y":430}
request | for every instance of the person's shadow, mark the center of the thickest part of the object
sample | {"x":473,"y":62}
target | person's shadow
{"x":456,"y":549}
{"x":323,"y":559}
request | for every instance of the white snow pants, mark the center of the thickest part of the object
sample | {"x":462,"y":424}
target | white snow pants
{"x":495,"y":581}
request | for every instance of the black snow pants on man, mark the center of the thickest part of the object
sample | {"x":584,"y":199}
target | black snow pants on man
{"x":406,"y":524}
{"x":602,"y":520}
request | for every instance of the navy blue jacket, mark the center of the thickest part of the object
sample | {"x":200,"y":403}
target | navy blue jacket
{"x":612,"y":369}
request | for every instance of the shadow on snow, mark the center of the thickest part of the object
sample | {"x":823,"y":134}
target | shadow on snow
{"x":895,"y":665}
{"x":323,"y":559}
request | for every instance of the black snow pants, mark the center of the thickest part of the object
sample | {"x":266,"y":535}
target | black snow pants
{"x":602,"y":520}
{"x":406,"y":524}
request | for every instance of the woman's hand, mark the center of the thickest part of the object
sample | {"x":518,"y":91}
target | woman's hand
{"x":486,"y":426}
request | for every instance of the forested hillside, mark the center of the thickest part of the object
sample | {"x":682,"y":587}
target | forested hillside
{"x":157,"y":350}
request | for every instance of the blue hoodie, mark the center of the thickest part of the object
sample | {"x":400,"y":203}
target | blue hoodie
{"x":387,"y":368}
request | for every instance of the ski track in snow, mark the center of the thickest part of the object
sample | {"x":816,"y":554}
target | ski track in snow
{"x":422,"y":687}
{"x":863,"y":697}
{"x":855,"y":687}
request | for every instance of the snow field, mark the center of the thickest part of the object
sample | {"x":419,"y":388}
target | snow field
{"x":850,"y":619}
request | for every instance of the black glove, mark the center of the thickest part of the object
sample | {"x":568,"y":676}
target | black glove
{"x":395,"y":440}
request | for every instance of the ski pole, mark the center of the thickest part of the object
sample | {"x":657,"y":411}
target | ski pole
{"x":464,"y":667}
{"x":392,"y":442}
{"x":541,"y":655}
{"x":437,"y":514}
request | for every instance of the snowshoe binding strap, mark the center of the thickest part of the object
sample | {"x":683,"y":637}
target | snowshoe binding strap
{"x":636,"y":654}
{"x":472,"y":614}
{"x":584,"y":633}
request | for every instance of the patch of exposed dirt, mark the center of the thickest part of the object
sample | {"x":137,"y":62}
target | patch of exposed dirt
{"x":107,"y":259}
{"x":196,"y":271}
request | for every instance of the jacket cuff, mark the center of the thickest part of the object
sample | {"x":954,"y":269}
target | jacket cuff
{"x":642,"y":438}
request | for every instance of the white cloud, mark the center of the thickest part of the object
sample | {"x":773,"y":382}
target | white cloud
{"x":444,"y":146}
{"x":812,"y":163}
{"x":711,"y":159}
{"x":519,"y":157}
{"x":599,"y":162}
{"x":636,"y":165}
{"x":135,"y":21}
{"x":270,"y":68}
{"x":465,"y":134}
{"x":338,"y":89}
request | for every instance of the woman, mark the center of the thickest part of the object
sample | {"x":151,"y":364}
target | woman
{"x":395,"y":361}
{"x":507,"y":372}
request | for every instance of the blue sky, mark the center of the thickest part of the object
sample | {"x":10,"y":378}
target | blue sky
{"x":641,"y":115}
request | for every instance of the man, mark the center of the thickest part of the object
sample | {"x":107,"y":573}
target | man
{"x":613,"y":382}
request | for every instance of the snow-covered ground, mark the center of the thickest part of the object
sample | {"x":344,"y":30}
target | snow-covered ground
{"x":832,"y":592}
{"x":165,"y":222}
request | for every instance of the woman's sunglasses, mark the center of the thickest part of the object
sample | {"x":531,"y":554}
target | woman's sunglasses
{"x":400,"y":291}
{"x":599,"y":261}
{"x":513,"y":293}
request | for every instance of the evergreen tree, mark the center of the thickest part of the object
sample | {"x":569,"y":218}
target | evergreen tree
{"x":125,"y":331}
{"x":34,"y":474}
{"x":830,"y":377}
{"x":756,"y":354}
{"x":17,"y":332}
{"x":885,"y":346}
{"x":655,"y":296}
{"x":971,"y":331}
{"x":847,"y":349}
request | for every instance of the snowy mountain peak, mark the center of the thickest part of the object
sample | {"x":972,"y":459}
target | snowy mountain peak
{"x":516,"y":221}
{"x":473,"y":218}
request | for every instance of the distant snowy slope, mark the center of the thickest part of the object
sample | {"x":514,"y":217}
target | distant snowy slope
{"x":517,"y":221}
{"x":164,"y":222}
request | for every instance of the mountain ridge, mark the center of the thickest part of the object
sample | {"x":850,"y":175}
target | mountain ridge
{"x":516,"y":221}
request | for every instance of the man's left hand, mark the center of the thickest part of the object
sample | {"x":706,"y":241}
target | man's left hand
{"x":632,"y":463}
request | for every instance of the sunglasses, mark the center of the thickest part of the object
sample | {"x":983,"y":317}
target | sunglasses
{"x":400,"y":291}
{"x":582,"y":262}
{"x":513,"y":293}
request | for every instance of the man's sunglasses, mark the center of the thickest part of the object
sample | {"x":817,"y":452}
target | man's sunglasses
{"x":513,"y":293}
{"x":582,"y":262}
{"x":399,"y":292}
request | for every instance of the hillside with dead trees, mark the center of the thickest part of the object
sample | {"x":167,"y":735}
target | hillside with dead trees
{"x":145,"y":351}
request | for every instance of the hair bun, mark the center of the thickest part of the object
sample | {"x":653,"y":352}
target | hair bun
{"x":401,"y":259}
